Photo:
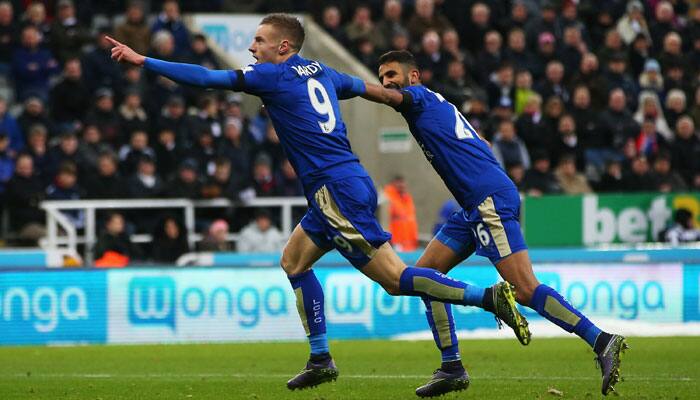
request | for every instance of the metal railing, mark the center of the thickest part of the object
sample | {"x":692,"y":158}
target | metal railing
{"x":69,"y":237}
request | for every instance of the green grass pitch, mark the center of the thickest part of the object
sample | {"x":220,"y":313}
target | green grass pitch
{"x":654,"y":368}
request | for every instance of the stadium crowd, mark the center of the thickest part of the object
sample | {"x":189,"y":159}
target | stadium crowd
{"x":573,"y":96}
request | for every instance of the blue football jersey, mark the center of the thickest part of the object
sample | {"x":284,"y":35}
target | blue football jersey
{"x":462,"y":159}
{"x":301,"y":97}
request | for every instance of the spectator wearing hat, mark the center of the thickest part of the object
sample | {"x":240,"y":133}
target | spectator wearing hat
{"x":260,"y":236}
{"x":99,"y":71}
{"x":546,"y":52}
{"x":539,"y":179}
{"x":134,"y":31}
{"x":70,"y":98}
{"x":9,"y":33}
{"x":546,"y":23}
{"x":106,"y":118}
{"x":34,"y":113}
{"x":169,"y":20}
{"x":105,"y":182}
{"x":651,"y":78}
{"x":32,"y":66}
{"x":186,"y":183}
{"x":632,"y":23}
{"x":68,"y":36}
{"x":23,"y":194}
{"x":217,"y":237}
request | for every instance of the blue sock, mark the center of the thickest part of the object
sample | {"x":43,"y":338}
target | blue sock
{"x":438,"y":286}
{"x":551,"y":305}
{"x":443,"y":326}
{"x":309,"y":294}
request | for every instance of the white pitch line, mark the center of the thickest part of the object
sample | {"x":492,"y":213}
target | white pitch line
{"x":342,"y":376}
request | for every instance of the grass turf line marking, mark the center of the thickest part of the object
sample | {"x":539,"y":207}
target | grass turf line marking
{"x":354,"y":376}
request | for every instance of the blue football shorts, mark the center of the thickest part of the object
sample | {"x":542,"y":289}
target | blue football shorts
{"x":341,"y":216}
{"x":492,"y":228}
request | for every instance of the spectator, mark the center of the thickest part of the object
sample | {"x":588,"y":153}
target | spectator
{"x":132,"y":116}
{"x":402,"y":215}
{"x":168,"y":153}
{"x":666,"y":180}
{"x":7,"y":164}
{"x":616,"y":123}
{"x":611,"y":180}
{"x":65,"y":187}
{"x":24,"y":193}
{"x":37,"y":149}
{"x":106,"y":182}
{"x":431,"y":59}
{"x":633,"y":23}
{"x":389,"y":24}
{"x":507,"y":146}
{"x":217,"y":237}
{"x":32,"y":66}
{"x":113,"y":240}
{"x":675,"y":106}
{"x":330,"y":21}
{"x":70,"y":98}
{"x":261,"y":236}
{"x":105,"y":117}
{"x":426,"y":19}
{"x":639,"y":178}
{"x":651,"y":79}
{"x":8,"y":36}
{"x":99,"y":70}
{"x":185,"y":183}
{"x":264,"y":181}
{"x":169,"y":240}
{"x":571,"y":181}
{"x":290,"y":185}
{"x":539,"y":179}
{"x":134,"y":31}
{"x":34,"y":113}
{"x":130,"y":154}
{"x":567,"y":142}
{"x":683,"y":229}
{"x":68,"y":36}
{"x":685,"y":150}
{"x":650,"y":108}
{"x":144,"y":183}
{"x":170,"y":21}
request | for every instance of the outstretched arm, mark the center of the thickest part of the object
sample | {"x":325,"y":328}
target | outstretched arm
{"x":380,"y":94}
{"x":190,"y":74}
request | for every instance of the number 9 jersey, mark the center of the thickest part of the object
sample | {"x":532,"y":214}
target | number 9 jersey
{"x":301,"y":98}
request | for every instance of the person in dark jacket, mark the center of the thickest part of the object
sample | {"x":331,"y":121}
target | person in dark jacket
{"x":169,"y":240}
{"x":32,"y":66}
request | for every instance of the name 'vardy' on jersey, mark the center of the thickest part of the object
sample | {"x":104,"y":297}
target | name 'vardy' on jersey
{"x":301,"y":97}
{"x":462,"y":159}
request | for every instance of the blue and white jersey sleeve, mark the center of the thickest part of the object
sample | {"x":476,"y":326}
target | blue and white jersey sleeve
{"x":259,"y":79}
{"x":346,"y":86}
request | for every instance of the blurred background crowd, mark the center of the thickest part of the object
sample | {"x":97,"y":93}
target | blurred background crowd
{"x":574,"y":96}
